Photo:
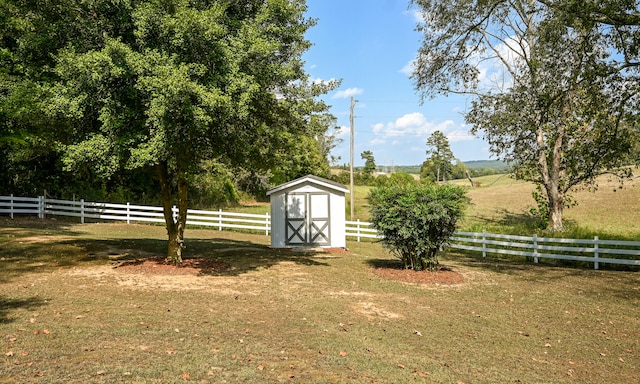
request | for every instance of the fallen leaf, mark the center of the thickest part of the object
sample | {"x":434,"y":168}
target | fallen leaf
{"x":25,"y":354}
{"x":417,"y":333}
{"x":260,"y":367}
{"x":621,"y":359}
{"x":79,"y":317}
{"x":343,"y":353}
{"x":186,"y":376}
{"x":37,"y":331}
{"x":101,"y":372}
{"x":171,"y":352}
{"x":400,"y":365}
{"x":603,"y":354}
{"x":9,"y":354}
{"x":547,"y":345}
{"x":46,"y":331}
{"x":12,"y":339}
{"x":32,"y":320}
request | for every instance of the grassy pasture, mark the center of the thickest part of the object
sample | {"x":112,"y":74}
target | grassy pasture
{"x":501,"y":205}
{"x":66,"y":315}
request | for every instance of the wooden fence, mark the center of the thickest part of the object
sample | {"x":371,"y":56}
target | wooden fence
{"x":594,"y":250}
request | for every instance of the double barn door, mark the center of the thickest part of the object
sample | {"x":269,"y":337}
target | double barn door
{"x":307,"y":218}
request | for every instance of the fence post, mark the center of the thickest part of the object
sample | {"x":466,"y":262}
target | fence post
{"x":11,"y":206}
{"x":82,"y":211}
{"x":484,"y":243}
{"x":266,"y":227}
{"x":596,"y":253}
{"x":128,"y":214}
{"x":358,"y":229}
{"x":220,"y":219}
{"x":41,"y":204}
{"x":535,"y":248}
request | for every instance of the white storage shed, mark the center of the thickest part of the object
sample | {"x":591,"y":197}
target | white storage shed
{"x":309,"y":211}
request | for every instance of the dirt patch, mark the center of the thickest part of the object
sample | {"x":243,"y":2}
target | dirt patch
{"x":160,"y":266}
{"x":443,"y":276}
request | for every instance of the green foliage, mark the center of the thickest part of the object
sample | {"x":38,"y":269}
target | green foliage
{"x":161,"y":87}
{"x":439,"y":163}
{"x":561,"y":103}
{"x":417,"y":220}
{"x":370,"y":162}
{"x":213,"y":187}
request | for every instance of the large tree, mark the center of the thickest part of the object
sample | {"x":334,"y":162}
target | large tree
{"x":550,"y":94}
{"x":164,"y":85}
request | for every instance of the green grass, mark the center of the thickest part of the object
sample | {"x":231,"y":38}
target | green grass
{"x":68,"y":316}
{"x":501,"y":205}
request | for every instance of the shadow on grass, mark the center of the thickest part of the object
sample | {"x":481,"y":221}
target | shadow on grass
{"x":7,"y":305}
{"x":44,"y":246}
{"x":616,"y":283}
{"x":385,"y":263}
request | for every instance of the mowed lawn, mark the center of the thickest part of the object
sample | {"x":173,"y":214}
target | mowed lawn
{"x":68,"y":316}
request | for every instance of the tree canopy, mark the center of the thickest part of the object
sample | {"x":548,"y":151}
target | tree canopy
{"x":161,"y":86}
{"x":554,"y":84}
{"x":439,"y":164}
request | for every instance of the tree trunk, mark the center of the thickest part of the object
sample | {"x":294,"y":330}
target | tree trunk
{"x":175,"y":226}
{"x":470,"y":179}
{"x":555,"y":216}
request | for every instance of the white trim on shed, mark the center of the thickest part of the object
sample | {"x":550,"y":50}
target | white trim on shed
{"x":308,"y":211}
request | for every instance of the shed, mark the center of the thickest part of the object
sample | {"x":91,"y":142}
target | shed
{"x":308,"y":211}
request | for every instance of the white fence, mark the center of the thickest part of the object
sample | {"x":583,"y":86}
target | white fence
{"x":129,"y":213}
{"x":588,"y":250}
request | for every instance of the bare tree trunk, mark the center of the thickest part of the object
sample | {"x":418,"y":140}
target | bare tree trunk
{"x":470,"y":179}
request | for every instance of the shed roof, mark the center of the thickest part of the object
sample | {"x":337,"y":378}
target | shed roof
{"x":312,"y":180}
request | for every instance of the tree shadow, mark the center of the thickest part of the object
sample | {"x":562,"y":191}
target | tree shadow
{"x":46,"y":245}
{"x":7,"y":305}
{"x":385,"y":263}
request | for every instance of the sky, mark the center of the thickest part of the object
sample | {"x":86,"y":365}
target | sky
{"x":369,"y":45}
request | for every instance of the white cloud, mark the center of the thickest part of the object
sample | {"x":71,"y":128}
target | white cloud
{"x":411,"y":124}
{"x":409,"y":68}
{"x":460,"y":135}
{"x":347,"y":93}
{"x":377,"y":142}
{"x":342,"y":130}
{"x":317,"y":80}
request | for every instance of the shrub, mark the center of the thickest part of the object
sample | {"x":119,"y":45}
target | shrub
{"x":417,"y":220}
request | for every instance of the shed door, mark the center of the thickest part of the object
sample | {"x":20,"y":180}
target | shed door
{"x":307,"y":218}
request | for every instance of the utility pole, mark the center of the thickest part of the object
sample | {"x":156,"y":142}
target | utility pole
{"x":352,"y":192}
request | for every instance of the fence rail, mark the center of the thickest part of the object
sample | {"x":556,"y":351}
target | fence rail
{"x":587,"y":250}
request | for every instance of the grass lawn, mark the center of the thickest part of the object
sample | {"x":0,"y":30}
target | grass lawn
{"x":66,"y":315}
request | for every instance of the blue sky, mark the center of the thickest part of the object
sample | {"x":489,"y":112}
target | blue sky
{"x":369,"y":44}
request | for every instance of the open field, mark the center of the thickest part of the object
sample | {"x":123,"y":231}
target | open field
{"x":67,"y":315}
{"x":501,"y":205}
